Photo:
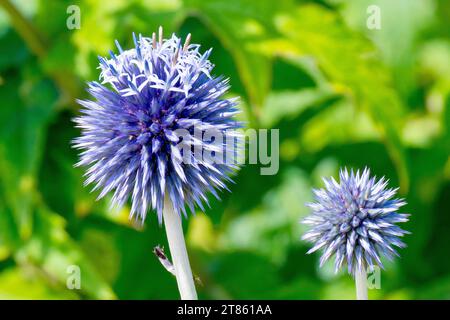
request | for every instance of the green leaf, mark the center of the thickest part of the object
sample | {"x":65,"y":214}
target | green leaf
{"x":13,"y":50}
{"x":271,"y":228}
{"x":119,"y":19}
{"x":397,"y":35}
{"x":339,"y":124}
{"x":51,"y":249}
{"x":237,"y":24}
{"x":99,"y":247}
{"x":245,"y":275}
{"x":351,"y":65}
{"x":438,"y":288}
{"x":289,"y":104}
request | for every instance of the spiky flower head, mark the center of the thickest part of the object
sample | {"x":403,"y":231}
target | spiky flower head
{"x":355,"y":220}
{"x":129,"y":140}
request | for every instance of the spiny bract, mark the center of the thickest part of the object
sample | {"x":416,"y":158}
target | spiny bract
{"x":128,"y":139}
{"x":355,"y":220}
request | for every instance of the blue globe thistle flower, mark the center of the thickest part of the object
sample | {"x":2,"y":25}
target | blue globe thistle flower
{"x":355,"y":220}
{"x":128,"y":138}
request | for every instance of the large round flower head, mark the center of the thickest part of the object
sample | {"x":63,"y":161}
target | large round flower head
{"x":129,"y":136}
{"x":355,"y":220}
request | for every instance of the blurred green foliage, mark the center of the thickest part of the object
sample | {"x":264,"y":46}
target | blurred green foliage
{"x":341,"y":95}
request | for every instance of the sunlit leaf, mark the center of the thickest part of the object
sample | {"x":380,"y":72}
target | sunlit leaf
{"x":237,"y":24}
{"x":51,"y":249}
{"x":351,"y":65}
{"x":22,"y":130}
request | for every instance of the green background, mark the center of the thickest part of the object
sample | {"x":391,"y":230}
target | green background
{"x":341,"y":95}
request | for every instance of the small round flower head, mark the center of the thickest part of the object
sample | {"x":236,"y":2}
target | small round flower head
{"x":129,"y":136}
{"x":355,"y":220}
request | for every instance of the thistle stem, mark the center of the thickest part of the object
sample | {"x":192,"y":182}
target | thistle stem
{"x":361,"y":284}
{"x":177,"y":246}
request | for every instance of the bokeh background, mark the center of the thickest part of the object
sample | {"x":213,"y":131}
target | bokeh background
{"x":341,"y":95}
